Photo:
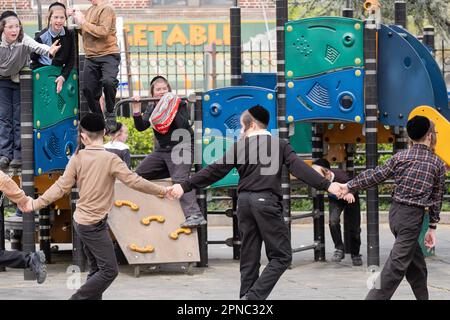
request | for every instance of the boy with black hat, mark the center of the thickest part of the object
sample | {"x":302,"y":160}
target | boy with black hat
{"x":95,"y":171}
{"x":17,"y":259}
{"x":258,"y":157}
{"x":351,"y":207}
{"x":419,"y":187}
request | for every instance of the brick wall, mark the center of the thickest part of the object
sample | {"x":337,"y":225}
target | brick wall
{"x":9,"y":4}
{"x":142,"y":10}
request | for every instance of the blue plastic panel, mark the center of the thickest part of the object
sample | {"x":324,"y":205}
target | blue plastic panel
{"x":54,"y":145}
{"x":336,"y":96}
{"x":221,"y":111}
{"x":403,"y":79}
{"x":264,"y":80}
{"x":437,"y":80}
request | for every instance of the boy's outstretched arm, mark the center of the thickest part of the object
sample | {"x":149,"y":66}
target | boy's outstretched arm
{"x":212,"y":173}
{"x":307,"y":174}
{"x":61,"y":187}
{"x":372,"y":177}
{"x":11,"y":190}
{"x":120,"y":171}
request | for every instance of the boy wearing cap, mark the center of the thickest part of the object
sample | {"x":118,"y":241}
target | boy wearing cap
{"x":419,"y":186}
{"x":18,"y":259}
{"x":258,"y":157}
{"x":95,"y":171}
{"x":351,"y":207}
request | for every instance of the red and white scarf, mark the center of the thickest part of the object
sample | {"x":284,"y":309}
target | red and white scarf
{"x":164,"y":112}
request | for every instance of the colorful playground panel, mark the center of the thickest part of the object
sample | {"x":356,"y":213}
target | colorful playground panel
{"x":264,"y":80}
{"x":127,"y":227}
{"x":353,"y":133}
{"x":335,"y":96}
{"x":404,"y":81}
{"x":317,"y":45}
{"x":442,"y":129}
{"x":50,"y":107}
{"x":221,"y":110}
{"x":301,"y":139}
{"x":54,"y":145}
{"x":435,"y":74}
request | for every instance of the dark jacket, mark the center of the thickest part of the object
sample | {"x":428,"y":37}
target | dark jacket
{"x":65,"y":57}
{"x":259,"y":160}
{"x":164,"y":141}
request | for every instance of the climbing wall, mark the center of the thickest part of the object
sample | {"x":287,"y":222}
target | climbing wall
{"x":148,"y":224}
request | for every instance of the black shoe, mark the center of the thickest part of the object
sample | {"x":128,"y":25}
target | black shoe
{"x":338,"y":255}
{"x":111,"y":122}
{"x":4,"y":162}
{"x":357,"y":260}
{"x":37,"y":264}
{"x":16,"y":163}
{"x":194,"y":221}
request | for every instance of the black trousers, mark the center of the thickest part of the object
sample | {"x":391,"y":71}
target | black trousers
{"x":260,"y":219}
{"x":103,"y":268}
{"x":406,"y":257}
{"x":353,"y":211}
{"x":101,"y":73}
{"x":14,"y":259}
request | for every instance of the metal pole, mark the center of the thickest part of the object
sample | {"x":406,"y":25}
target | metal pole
{"x":401,"y":141}
{"x":236,"y":80}
{"x":39,"y":13}
{"x":282,"y":18}
{"x":201,"y":193}
{"x":26,"y":129}
{"x":78,"y":256}
{"x":44,"y":233}
{"x":349,"y":166}
{"x":235,"y":46}
{"x":2,"y":227}
{"x":371,"y":111}
{"x":400,"y":14}
{"x":318,"y":198}
{"x":428,"y":38}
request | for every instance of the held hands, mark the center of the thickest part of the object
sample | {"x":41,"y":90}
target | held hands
{"x":26,"y":205}
{"x":54,"y":48}
{"x":59,"y":83}
{"x":175,"y":191}
{"x":350,"y":198}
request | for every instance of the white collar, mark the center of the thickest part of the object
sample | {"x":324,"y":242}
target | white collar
{"x":262,"y":132}
{"x":332,"y":176}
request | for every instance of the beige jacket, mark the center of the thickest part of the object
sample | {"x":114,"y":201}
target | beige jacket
{"x":95,"y":171}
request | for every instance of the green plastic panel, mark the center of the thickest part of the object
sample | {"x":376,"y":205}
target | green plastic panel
{"x":301,"y":140}
{"x":426,"y":222}
{"x":317,"y":45}
{"x":214,"y":148}
{"x":49,"y":107}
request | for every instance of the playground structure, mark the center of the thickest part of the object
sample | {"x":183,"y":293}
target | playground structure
{"x":329,"y":78}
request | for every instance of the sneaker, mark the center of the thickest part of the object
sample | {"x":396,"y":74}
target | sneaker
{"x":37,"y":264}
{"x":194,"y":221}
{"x":16,"y":163}
{"x":357,"y":260}
{"x":4,"y":162}
{"x":338,"y":255}
{"x":111,"y":122}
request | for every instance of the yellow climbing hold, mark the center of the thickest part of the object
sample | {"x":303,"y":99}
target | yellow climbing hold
{"x":358,"y":61}
{"x":290,"y":118}
{"x":206,"y":97}
{"x":358,"y":119}
{"x":270,"y":96}
{"x":289,"y":28}
{"x":358,"y":73}
{"x":357,"y":26}
{"x":290,"y":84}
{"x":290,"y":73}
